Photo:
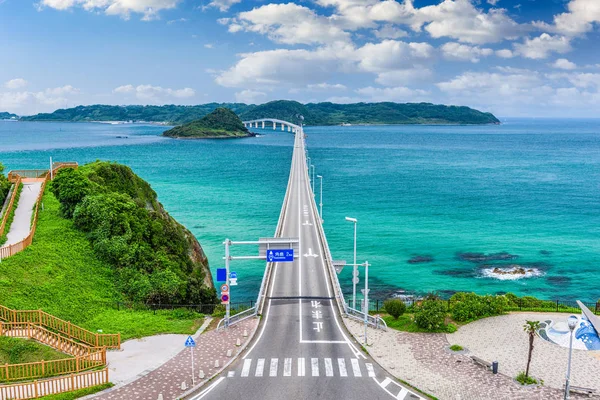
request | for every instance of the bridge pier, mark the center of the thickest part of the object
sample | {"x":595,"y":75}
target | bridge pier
{"x":263,"y":124}
{"x":274,"y":125}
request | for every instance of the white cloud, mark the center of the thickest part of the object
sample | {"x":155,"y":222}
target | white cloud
{"x":542,"y":46}
{"x":583,"y":80}
{"x":580,"y":18}
{"x":208,"y":45}
{"x":493,"y":2}
{"x":320,"y":87}
{"x":505,"y":53}
{"x":62,"y":91}
{"x":27,"y":102}
{"x":174,"y":21}
{"x":123,"y":8}
{"x":289,"y":24}
{"x":389,"y":31}
{"x":391,"y":55}
{"x":154,"y":94}
{"x":403,"y":77}
{"x":223,"y":5}
{"x":400,"y":94}
{"x":563,"y":63}
{"x":462,"y":52}
{"x":16,"y":83}
{"x":249,"y":96}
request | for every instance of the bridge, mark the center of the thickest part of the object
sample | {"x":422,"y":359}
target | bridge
{"x":302,"y":349}
{"x":264,"y":122}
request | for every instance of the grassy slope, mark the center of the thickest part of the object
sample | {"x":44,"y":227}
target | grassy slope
{"x":19,"y":351}
{"x":11,"y":216}
{"x":60,"y":274}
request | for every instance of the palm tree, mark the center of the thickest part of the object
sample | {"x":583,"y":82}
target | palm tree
{"x":531,"y":327}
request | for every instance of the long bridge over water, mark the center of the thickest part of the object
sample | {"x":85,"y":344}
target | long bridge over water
{"x":302,"y":349}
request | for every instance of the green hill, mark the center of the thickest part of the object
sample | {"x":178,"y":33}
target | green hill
{"x":221,"y":123}
{"x":313,"y":113}
{"x":6,"y":115}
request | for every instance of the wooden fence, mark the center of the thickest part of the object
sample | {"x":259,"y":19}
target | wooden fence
{"x":68,"y":383}
{"x":10,"y":206}
{"x":65,"y":328}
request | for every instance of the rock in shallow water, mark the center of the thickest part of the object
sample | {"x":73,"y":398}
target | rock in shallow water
{"x":420,"y":259}
{"x":481,"y":257}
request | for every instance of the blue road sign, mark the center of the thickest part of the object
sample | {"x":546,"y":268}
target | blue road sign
{"x":190,"y":342}
{"x":221,"y":274}
{"x":233,"y":275}
{"x":283,"y":255}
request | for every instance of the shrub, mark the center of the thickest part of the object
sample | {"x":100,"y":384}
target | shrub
{"x":470,"y":306}
{"x":70,"y":186}
{"x":451,"y":328}
{"x":430,"y":314}
{"x":456,"y":347}
{"x":394,"y":307}
{"x":4,"y":186}
{"x":525,"y":380}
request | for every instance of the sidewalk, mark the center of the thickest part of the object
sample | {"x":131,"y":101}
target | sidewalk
{"x":21,"y":225}
{"x":167,"y":379}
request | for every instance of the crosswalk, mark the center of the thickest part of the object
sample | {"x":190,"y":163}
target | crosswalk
{"x":304,"y":367}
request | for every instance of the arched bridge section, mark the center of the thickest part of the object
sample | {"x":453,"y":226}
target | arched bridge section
{"x":272,"y":122}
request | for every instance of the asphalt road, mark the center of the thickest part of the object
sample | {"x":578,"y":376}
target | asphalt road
{"x":301,"y":350}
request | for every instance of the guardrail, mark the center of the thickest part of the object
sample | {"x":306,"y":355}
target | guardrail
{"x":66,"y":328}
{"x":31,"y":390}
{"x":373,"y":321}
{"x":237,"y":318}
{"x":13,"y":195}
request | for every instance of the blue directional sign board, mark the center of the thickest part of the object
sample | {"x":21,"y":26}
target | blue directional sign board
{"x":233,"y":275}
{"x":190,"y":342}
{"x":282,"y":255}
{"x":221,"y":274}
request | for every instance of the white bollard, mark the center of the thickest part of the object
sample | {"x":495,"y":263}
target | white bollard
{"x":201,"y":374}
{"x":228,"y":353}
{"x":160,"y":397}
{"x":183,"y":386}
{"x":238,"y":342}
{"x":216,"y":363}
{"x":245,"y":333}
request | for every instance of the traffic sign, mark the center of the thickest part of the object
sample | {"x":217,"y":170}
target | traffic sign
{"x":233,"y":275}
{"x":190,"y":342}
{"x":365,"y":290}
{"x":355,"y":280}
{"x":282,"y":255}
{"x":224,"y":298}
{"x":221,"y":274}
{"x":232,"y":281}
{"x":339,"y":265}
{"x":224,"y":288}
{"x":356,"y":272}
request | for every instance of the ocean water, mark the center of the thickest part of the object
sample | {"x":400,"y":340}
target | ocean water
{"x":530,"y":188}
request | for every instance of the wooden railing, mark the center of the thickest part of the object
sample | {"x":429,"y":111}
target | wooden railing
{"x":65,"y":328}
{"x":10,"y":205}
{"x":68,"y":383}
{"x":26,"y":173}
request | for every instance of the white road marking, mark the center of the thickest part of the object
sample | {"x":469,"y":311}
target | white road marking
{"x":318,"y":326}
{"x":231,"y":374}
{"x":385,"y":382}
{"x":208,"y":389}
{"x":328,"y":367}
{"x":370,"y":370}
{"x":301,"y":369}
{"x":260,"y":366}
{"x":306,"y":223}
{"x":342,"y":366}
{"x":246,"y":367}
{"x":324,"y":341}
{"x":314,"y":366}
{"x":310,"y":254}
{"x":287,"y":367}
{"x":317,"y":314}
{"x":356,"y":367}
{"x":402,"y":393}
{"x":273,"y":369}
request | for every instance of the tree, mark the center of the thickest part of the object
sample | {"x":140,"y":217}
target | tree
{"x":4,"y":185}
{"x":431,"y":314}
{"x":70,"y":187}
{"x":394,"y":307}
{"x":531,"y":328}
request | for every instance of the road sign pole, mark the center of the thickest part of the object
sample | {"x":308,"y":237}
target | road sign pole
{"x":366,"y":310}
{"x":192,"y":353}
{"x":355,"y":268}
{"x":227,"y":257}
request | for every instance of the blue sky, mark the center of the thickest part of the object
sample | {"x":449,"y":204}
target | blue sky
{"x":510,"y":57}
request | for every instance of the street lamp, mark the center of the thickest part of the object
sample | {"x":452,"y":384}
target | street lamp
{"x":354,"y":270}
{"x":313,"y":179}
{"x":572,"y":321}
{"x":321,"y":196}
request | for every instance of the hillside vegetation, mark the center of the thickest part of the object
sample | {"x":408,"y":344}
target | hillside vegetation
{"x":221,"y":123}
{"x":7,"y":115}
{"x":4,"y":187}
{"x":314,"y":113}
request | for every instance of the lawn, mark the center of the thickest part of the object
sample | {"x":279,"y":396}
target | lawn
{"x":60,"y":274}
{"x":20,"y":351}
{"x":405,"y":323}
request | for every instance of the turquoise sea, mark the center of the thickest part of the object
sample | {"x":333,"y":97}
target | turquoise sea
{"x":528,"y":187}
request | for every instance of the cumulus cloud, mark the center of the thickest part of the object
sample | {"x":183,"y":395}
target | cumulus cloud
{"x":223,"y":5}
{"x":542,"y":46}
{"x":16,"y":83}
{"x":505,"y":53}
{"x":149,"y":9}
{"x":580,"y":18}
{"x":404,"y":77}
{"x":154,"y":94}
{"x":389,"y":31}
{"x":320,"y":87}
{"x":400,"y":94}
{"x":563,"y":63}
{"x":29,"y":102}
{"x":249,"y":96}
{"x":462,"y":52}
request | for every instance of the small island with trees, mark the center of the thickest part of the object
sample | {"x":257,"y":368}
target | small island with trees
{"x":221,"y":123}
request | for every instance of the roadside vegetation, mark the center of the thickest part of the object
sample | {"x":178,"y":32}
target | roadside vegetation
{"x":20,"y":351}
{"x":4,"y":186}
{"x":60,"y":274}
{"x":78,"y":393}
{"x":11,"y":216}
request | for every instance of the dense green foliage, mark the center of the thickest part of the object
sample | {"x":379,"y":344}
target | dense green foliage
{"x":7,"y":115}
{"x":430,"y":314}
{"x":130,"y":230}
{"x":20,"y":351}
{"x":313,"y":113}
{"x":4,"y":186}
{"x":11,"y":216}
{"x":76,"y":394}
{"x":222,"y":122}
{"x":394,"y":307}
{"x":456,"y":347}
{"x":470,"y":306}
{"x":60,"y":274}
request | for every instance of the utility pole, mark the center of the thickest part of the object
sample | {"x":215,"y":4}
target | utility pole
{"x":354,"y":269}
{"x":321,"y":197}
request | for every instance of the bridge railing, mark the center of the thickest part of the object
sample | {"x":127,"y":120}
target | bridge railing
{"x":373,"y":321}
{"x":10,"y":206}
{"x":239,"y":317}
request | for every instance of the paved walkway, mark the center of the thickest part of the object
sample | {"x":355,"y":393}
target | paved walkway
{"x":167,"y":379}
{"x":21,"y":224}
{"x":138,"y":357}
{"x":424,"y":361}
